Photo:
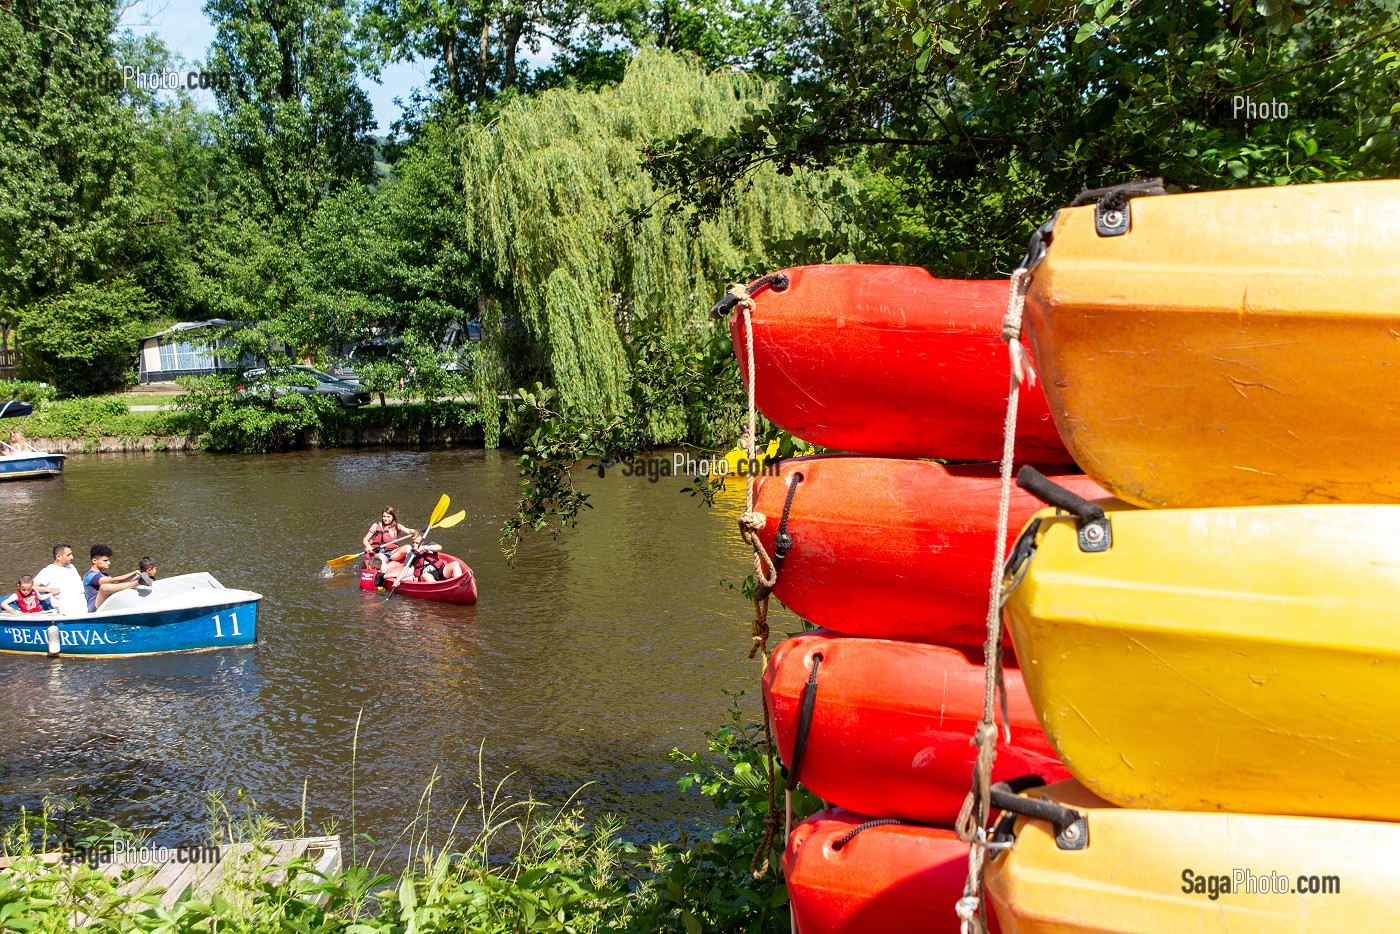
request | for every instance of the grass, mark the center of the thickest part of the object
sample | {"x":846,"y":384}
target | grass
{"x":523,"y":867}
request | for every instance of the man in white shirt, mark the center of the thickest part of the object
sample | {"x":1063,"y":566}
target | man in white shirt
{"x":69,"y":601}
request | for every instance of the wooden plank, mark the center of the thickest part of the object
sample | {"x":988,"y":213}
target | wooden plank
{"x":255,"y":862}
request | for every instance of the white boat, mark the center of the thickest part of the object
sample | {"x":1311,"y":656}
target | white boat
{"x":24,"y":462}
{"x":176,"y":614}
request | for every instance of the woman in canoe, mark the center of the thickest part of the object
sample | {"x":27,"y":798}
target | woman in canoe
{"x":381,"y":540}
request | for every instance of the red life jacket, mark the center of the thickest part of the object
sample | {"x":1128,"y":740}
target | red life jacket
{"x":28,"y":603}
{"x":381,"y":537}
{"x":432,"y":559}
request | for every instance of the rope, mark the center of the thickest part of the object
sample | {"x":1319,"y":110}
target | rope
{"x":758,"y":867}
{"x":972,"y":818}
{"x":765,"y":572}
{"x":877,"y":822}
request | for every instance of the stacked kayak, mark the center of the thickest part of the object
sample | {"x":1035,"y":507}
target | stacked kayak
{"x":1147,"y":871}
{"x":890,"y":548}
{"x":893,"y":556}
{"x":848,"y":874}
{"x":888,"y":360}
{"x":1217,"y":671}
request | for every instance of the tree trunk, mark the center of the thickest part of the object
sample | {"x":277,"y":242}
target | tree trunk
{"x":510,"y":40}
{"x":483,"y":58}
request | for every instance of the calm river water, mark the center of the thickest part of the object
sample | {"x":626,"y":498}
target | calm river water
{"x":585,"y":662}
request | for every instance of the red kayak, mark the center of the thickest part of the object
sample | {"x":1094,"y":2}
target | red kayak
{"x":460,"y":589}
{"x":889,"y":731}
{"x":889,"y":360}
{"x":894,"y":549}
{"x":847,"y":878}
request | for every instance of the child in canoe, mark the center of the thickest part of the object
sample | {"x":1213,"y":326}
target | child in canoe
{"x":381,"y":540}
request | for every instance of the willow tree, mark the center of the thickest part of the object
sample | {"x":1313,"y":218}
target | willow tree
{"x":557,"y":207}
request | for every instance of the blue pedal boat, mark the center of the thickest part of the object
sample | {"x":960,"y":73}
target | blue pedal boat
{"x":24,"y":462}
{"x":185,"y":613}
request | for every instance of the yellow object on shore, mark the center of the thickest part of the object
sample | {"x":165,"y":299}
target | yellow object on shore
{"x":1234,"y":659}
{"x":1160,"y":871}
{"x":740,"y":468}
{"x":1232,"y":348}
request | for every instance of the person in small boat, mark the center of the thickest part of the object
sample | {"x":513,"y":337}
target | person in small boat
{"x":427,"y":563}
{"x":146,"y":570}
{"x":63,"y":582}
{"x":26,"y":598}
{"x":17,"y":443}
{"x":98,"y":585}
{"x":381,"y":540}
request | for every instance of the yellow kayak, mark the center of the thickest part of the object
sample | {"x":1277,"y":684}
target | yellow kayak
{"x":1243,"y":659}
{"x":1232,"y":348}
{"x":1158,"y":871}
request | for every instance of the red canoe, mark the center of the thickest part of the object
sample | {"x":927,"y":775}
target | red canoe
{"x":461,"y":589}
{"x":890,"y":727}
{"x":894,"y":549}
{"x":889,"y":360}
{"x":882,"y":879}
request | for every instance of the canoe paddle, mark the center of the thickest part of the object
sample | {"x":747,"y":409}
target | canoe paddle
{"x":346,"y":559}
{"x":438,"y":512}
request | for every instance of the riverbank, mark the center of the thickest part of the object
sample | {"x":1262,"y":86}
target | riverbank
{"x":105,"y":425}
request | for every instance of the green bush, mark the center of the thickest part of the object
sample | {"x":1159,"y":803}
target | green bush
{"x":27,"y":391}
{"x":85,"y":340}
{"x":101,"y":416}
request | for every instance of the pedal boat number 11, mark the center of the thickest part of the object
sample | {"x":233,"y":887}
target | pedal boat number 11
{"x":176,"y":614}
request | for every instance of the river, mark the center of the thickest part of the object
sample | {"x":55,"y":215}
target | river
{"x":583,"y":663}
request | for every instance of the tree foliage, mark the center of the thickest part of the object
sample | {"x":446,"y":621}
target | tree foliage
{"x":989,"y":115}
{"x":547,"y":186}
{"x":67,"y":172}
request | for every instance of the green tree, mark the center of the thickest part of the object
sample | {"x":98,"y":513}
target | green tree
{"x":547,"y":186}
{"x":987,"y":116}
{"x":84,"y":339}
{"x":294,"y":119}
{"x":67,"y":166}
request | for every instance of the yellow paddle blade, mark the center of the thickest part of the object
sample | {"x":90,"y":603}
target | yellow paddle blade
{"x":440,"y":510}
{"x":343,"y":560}
{"x":453,"y":519}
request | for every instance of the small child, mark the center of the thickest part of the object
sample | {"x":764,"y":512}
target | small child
{"x":148,"y":568}
{"x":26,"y":599}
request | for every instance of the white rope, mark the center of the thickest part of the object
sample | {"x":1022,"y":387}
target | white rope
{"x":973,"y":817}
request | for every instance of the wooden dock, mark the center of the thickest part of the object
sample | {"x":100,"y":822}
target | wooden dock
{"x":248,"y":863}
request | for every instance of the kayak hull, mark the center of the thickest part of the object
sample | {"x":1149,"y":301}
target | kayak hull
{"x":1233,"y":348}
{"x":891,"y":726}
{"x":1194,"y":665}
{"x":884,"y":879}
{"x":460,"y":590}
{"x":1151,"y":871}
{"x":889,"y":360}
{"x":893,"y":549}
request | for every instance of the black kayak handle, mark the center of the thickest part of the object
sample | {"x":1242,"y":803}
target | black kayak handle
{"x":1047,"y":491}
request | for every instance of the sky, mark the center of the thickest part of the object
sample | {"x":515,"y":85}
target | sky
{"x":187,"y":33}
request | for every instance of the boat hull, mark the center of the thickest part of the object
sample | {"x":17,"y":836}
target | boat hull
{"x":37,"y":465}
{"x":891,"y":727}
{"x":889,"y":360}
{"x":893,"y":549}
{"x":460,"y":590}
{"x":884,"y":879}
{"x":1221,"y":659}
{"x":173,"y":630}
{"x":1234,"y":348}
{"x":1133,"y":874}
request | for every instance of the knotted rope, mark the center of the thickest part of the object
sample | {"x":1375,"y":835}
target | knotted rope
{"x":752,"y":521}
{"x":972,"y":819}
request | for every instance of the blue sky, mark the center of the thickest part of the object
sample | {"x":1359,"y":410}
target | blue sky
{"x":187,"y":33}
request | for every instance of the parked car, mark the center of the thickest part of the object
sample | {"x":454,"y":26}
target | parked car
{"x":370,"y":350}
{"x":304,"y":380}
